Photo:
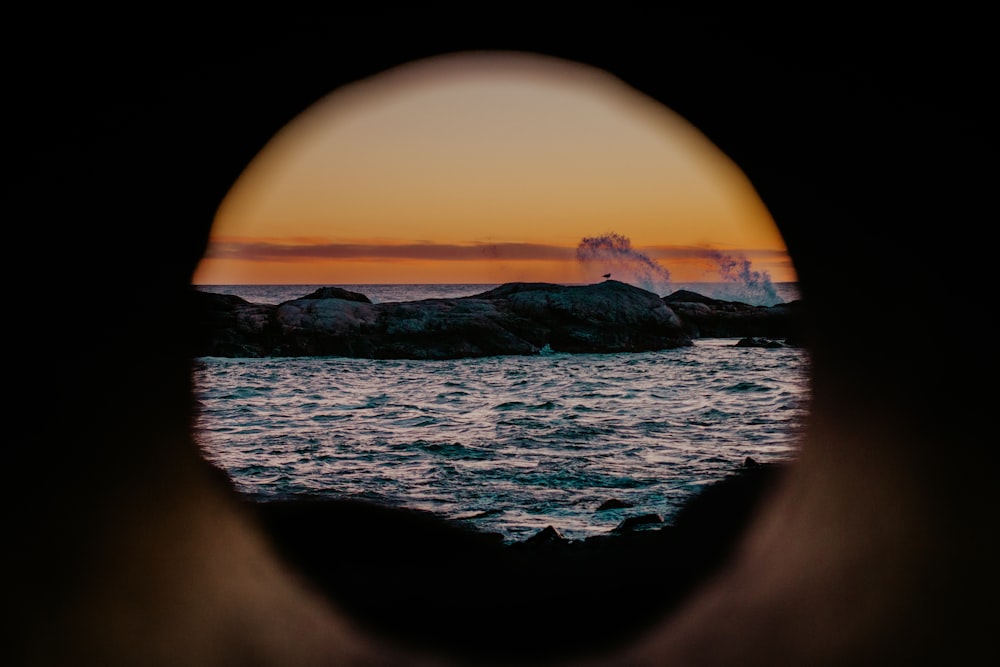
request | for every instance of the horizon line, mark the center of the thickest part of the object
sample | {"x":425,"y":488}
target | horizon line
{"x":677,"y":282}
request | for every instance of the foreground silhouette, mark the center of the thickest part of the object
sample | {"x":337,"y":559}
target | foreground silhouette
{"x":433,"y":585}
{"x":864,"y":138}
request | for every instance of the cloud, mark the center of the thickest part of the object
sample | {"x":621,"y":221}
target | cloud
{"x":264,"y":251}
{"x":700,"y":252}
{"x":311,"y":250}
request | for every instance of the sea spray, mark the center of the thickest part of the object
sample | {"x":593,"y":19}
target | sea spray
{"x":744,"y":284}
{"x":613,"y":254}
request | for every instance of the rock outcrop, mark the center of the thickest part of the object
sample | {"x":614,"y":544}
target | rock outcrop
{"x":512,"y":319}
{"x":229,"y":326}
{"x":704,"y":317}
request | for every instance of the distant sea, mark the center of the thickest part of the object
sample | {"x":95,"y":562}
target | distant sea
{"x":507,"y":444}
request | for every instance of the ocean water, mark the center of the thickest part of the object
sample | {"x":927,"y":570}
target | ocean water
{"x":507,"y":444}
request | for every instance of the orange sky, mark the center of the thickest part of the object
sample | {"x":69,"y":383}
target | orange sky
{"x":488,"y":168}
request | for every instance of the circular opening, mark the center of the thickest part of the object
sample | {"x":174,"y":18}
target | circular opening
{"x":444,"y":179}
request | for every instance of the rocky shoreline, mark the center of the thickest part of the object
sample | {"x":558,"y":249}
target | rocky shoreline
{"x":512,"y":319}
{"x":414,"y":578}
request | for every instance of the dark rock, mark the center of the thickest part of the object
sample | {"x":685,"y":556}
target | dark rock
{"x":705,"y":317}
{"x":337,"y":293}
{"x":514,"y":319}
{"x":638,"y":522}
{"x":610,"y":316}
{"x":613,"y":504}
{"x":229,"y":326}
{"x":546,"y":537}
{"x":711,"y":522}
{"x":416,"y":577}
{"x":758,"y":341}
{"x":424,"y":580}
{"x":427,"y":329}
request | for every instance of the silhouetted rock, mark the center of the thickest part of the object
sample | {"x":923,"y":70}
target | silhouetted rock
{"x":613,"y":504}
{"x":225,"y":325}
{"x":424,"y":580}
{"x":546,"y":536}
{"x":638,"y":522}
{"x":760,"y":341}
{"x":709,"y":524}
{"x":610,"y":316}
{"x":514,"y":319}
{"x":705,"y":317}
{"x":337,"y":293}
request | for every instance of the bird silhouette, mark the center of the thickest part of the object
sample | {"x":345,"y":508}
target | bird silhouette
{"x":607,"y":275}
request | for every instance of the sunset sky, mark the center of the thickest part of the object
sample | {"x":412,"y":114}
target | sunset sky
{"x":489,"y":168}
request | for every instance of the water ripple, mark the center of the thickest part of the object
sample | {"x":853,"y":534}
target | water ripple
{"x":511,"y":444}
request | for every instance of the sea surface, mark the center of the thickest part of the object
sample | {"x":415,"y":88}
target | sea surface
{"x":507,"y":444}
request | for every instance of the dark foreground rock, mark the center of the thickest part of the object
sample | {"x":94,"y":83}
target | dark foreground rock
{"x":513,"y":319}
{"x":428,"y":583}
